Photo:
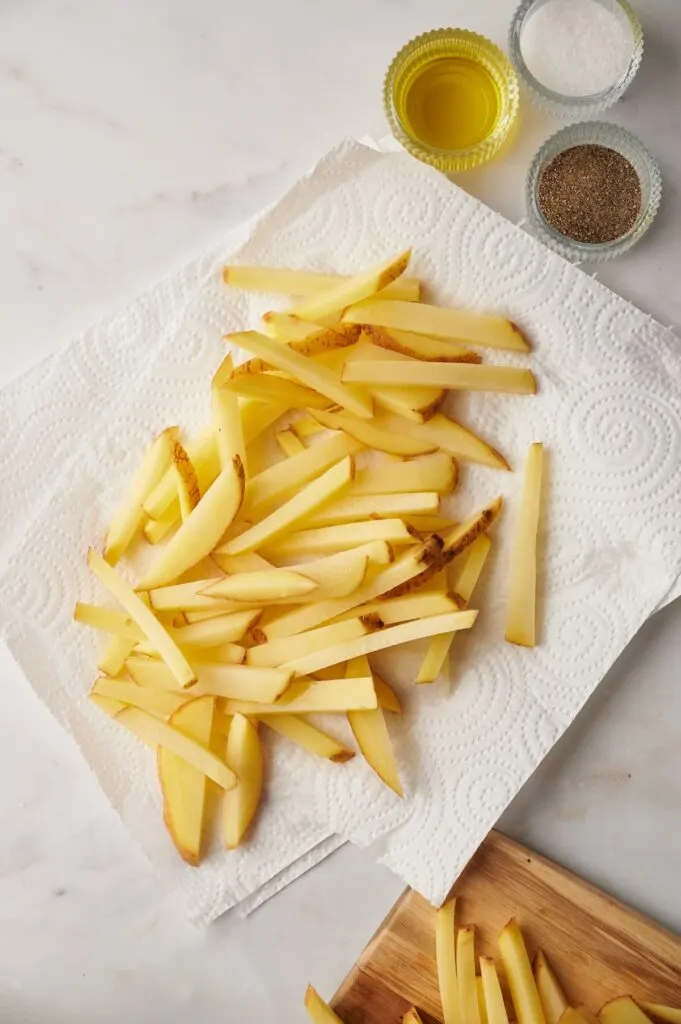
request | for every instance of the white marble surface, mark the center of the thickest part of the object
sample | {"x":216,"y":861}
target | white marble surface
{"x":131,"y":135}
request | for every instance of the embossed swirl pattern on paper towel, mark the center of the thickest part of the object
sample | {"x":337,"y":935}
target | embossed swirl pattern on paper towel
{"x":609,"y":411}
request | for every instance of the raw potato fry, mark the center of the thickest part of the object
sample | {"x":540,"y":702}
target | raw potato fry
{"x":465,"y":973}
{"x":223,"y":654}
{"x":622,"y":1011}
{"x":307,"y":282}
{"x":283,"y":480}
{"x":494,"y":999}
{"x":241,"y":682}
{"x":249,"y":561}
{"x":156,"y":529}
{"x":437,"y":472}
{"x":416,"y":403}
{"x":151,"y":672}
{"x":463,"y":587}
{"x":245,"y":754}
{"x":269,"y":387}
{"x":128,"y":518}
{"x":580,"y":1016}
{"x":341,"y":538}
{"x":521,"y":615}
{"x":224,"y":629}
{"x":553,"y":1001}
{"x":453,"y":376}
{"x":380,"y":640}
{"x":189,"y":596}
{"x":271,"y":585}
{"x":521,"y":981}
{"x":113,"y":657}
{"x":305,"y":735}
{"x":371,"y":733}
{"x":306,"y":426}
{"x":447,"y":434}
{"x":410,"y":565}
{"x":188,"y":491}
{"x":456,"y":324}
{"x":276,"y":652}
{"x":412,"y":1017}
{"x":200,"y":533}
{"x":667,"y":1013}
{"x":319,"y":1011}
{"x":109,"y":706}
{"x":374,"y":506}
{"x":419,"y":346}
{"x":445,"y":955}
{"x":289,"y":443}
{"x":307,"y":338}
{"x":161,"y":702}
{"x":305,"y":370}
{"x":229,"y":432}
{"x":306,"y":697}
{"x":108,"y":620}
{"x":154,"y":731}
{"x":183,"y":786}
{"x":256,"y":417}
{"x":295,"y":509}
{"x":203,"y":453}
{"x":387,"y":698}
{"x":354,"y":289}
{"x":144,"y":617}
{"x":402,"y":609}
{"x":372,"y":435}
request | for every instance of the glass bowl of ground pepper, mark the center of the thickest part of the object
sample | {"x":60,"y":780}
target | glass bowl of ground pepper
{"x":592,"y":191}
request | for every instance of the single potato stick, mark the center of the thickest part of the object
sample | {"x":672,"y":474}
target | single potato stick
{"x":108,"y":620}
{"x":453,"y":376}
{"x":307,"y":282}
{"x":393,"y":610}
{"x":445,"y":955}
{"x":518,"y":970}
{"x":371,"y":733}
{"x":415,"y":403}
{"x":670,"y":1014}
{"x":229,"y":431}
{"x":161,"y":702}
{"x":270,"y":585}
{"x":387,"y":698}
{"x":224,"y":629}
{"x":156,"y":529}
{"x":241,"y":682}
{"x":310,"y":339}
{"x":465,"y":973}
{"x":354,"y":289}
{"x":183,"y":786}
{"x":380,"y":640}
{"x":306,"y":426}
{"x":437,"y":472}
{"x":374,"y":506}
{"x":112,"y":659}
{"x":494,"y":999}
{"x":447,"y":434}
{"x":190,"y":597}
{"x":373,"y":435}
{"x":128,"y":518}
{"x":200,"y":533}
{"x":244,"y":753}
{"x":301,"y":732}
{"x":622,"y":1011}
{"x":521,"y":615}
{"x":154,"y":731}
{"x":276,"y":652}
{"x":282,"y":481}
{"x":109,"y":706}
{"x":456,"y":324}
{"x":155,"y":633}
{"x":188,"y":491}
{"x":553,"y":1000}
{"x":213,"y":677}
{"x":307,"y":697}
{"x":319,"y":1011}
{"x":412,"y":1016}
{"x":289,"y":443}
{"x":249,"y":561}
{"x":419,"y":346}
{"x":463,"y":586}
{"x":305,"y":370}
{"x":268,"y":387}
{"x":203,"y":452}
{"x":269,"y":529}
{"x":341,"y":538}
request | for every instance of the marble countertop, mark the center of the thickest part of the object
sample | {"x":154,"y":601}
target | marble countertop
{"x":132,"y":135}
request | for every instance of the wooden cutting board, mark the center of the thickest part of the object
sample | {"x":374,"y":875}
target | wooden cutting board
{"x":598,"y":947}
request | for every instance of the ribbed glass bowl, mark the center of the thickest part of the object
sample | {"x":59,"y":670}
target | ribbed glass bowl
{"x":440,"y":44}
{"x":560,"y":104}
{"x":599,"y":133}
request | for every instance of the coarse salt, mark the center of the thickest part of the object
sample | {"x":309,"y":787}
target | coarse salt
{"x":577,"y":47}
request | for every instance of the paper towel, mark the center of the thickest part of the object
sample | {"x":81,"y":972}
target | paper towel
{"x":611,"y":417}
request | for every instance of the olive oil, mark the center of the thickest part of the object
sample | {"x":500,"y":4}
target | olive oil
{"x":451,"y":103}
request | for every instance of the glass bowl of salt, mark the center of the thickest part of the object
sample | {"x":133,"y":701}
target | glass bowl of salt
{"x":575,"y":57}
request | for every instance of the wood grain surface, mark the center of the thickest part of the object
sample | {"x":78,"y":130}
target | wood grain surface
{"x":598,"y":947}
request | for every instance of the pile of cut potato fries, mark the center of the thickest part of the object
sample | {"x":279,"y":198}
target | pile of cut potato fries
{"x":534,"y":995}
{"x":272,"y":584}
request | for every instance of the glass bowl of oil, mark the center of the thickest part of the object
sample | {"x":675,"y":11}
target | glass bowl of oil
{"x":451,"y":97}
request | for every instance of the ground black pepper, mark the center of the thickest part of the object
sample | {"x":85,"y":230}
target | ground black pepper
{"x":590,"y":193}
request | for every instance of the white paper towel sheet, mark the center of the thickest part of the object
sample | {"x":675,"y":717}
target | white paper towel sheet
{"x":609,"y":411}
